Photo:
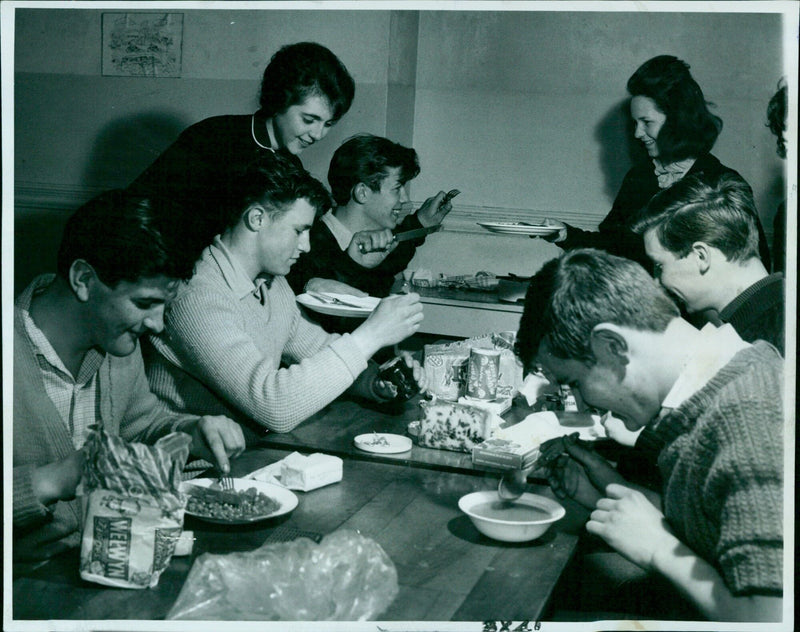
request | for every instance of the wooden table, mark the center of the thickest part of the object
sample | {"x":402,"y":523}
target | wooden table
{"x":447,"y":570}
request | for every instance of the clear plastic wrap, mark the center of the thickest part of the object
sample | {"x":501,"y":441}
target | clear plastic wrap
{"x":346,"y":577}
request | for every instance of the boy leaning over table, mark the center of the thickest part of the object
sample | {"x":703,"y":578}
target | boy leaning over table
{"x":235,"y":341}
{"x":77,"y":362}
{"x":711,"y":405}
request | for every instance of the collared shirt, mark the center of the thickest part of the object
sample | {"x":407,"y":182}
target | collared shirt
{"x":340,"y":232}
{"x":235,"y":276}
{"x":670,"y":173}
{"x":75,"y":398}
{"x":717,"y":346}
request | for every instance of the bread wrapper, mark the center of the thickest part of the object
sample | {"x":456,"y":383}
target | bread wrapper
{"x":132,"y":508}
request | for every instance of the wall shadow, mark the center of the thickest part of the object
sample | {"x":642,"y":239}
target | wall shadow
{"x":619,"y":150}
{"x":126,"y":147}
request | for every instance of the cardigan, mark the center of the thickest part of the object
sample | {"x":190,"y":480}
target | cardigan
{"x":40,"y":436}
{"x":614,"y":233}
{"x":327,"y":260}
{"x":231,"y":348}
{"x":758,"y":312}
{"x":195,"y":172}
{"x":722,"y":466}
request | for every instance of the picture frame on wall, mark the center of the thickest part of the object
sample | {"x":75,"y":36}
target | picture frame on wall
{"x":142,"y":44}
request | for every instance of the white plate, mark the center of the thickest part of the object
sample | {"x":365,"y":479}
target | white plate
{"x":516,"y":228}
{"x":382,"y":443}
{"x":367,"y":305}
{"x":286,"y":499}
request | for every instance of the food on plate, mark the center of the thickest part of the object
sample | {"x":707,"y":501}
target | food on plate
{"x":452,"y":426}
{"x":253,"y":504}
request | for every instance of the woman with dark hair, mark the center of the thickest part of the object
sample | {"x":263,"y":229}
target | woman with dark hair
{"x":672,"y":120}
{"x":305,"y":90}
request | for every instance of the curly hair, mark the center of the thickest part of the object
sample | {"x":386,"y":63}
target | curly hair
{"x":124,"y":237}
{"x":274,"y":180}
{"x":690,"y":128}
{"x":776,"y":116}
{"x":366,"y":158}
{"x":305,"y":69}
{"x":719,"y":211}
{"x":574,"y":293}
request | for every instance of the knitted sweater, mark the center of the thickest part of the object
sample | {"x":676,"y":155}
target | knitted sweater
{"x":40,"y":436}
{"x":722,"y":466}
{"x":758,"y":312}
{"x":222,"y":351}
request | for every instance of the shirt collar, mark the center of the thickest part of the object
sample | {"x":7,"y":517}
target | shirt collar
{"x":717,"y":345}
{"x":340,"y":232}
{"x":670,"y":173}
{"x":259,"y":131}
{"x":233,"y":272}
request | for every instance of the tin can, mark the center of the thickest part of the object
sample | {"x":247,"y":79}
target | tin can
{"x":483,"y":373}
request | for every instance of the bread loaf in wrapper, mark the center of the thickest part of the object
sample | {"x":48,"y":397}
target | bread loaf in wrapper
{"x":132,"y":508}
{"x":452,"y":426}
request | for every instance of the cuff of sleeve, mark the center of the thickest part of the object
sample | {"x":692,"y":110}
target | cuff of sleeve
{"x":348,"y":351}
{"x":27,"y":508}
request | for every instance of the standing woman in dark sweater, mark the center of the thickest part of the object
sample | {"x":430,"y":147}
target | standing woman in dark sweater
{"x":305,"y":90}
{"x":672,"y":120}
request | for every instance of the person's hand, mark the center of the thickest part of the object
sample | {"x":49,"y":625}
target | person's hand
{"x":318,"y":284}
{"x":617,"y":431}
{"x":217,"y":438}
{"x":553,"y":238}
{"x":58,"y":480}
{"x":369,"y":248}
{"x":599,"y":471}
{"x":395,"y":318}
{"x":569,"y":479}
{"x":420,"y":376}
{"x":632,"y":525}
{"x":433,"y":211}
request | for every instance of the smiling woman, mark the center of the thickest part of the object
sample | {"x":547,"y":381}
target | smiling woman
{"x":305,"y":90}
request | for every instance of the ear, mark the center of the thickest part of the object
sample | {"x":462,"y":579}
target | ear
{"x":609,"y":345}
{"x":360,"y":192}
{"x":82,"y":278}
{"x":702,"y":253}
{"x":255,"y":217}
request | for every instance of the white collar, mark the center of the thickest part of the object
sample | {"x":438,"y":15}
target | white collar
{"x":716,"y":347}
{"x":341,"y":233}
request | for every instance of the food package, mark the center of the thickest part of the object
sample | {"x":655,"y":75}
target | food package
{"x":132,"y":508}
{"x":452,"y":426}
{"x":302,"y":473}
{"x":446,"y":366}
{"x":346,"y":577}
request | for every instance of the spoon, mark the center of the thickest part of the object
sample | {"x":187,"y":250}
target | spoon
{"x":512,"y":485}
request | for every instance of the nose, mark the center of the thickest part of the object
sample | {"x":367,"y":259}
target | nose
{"x":304,"y":245}
{"x":154,"y":321}
{"x":318,"y":131}
{"x":404,"y":198}
{"x":638,"y":131}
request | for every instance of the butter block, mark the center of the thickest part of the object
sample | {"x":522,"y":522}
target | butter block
{"x":310,"y":472}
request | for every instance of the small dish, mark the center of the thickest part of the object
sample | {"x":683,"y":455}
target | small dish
{"x":524,"y":519}
{"x":383,"y":443}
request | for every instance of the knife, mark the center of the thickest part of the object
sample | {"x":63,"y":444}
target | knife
{"x":416,"y":233}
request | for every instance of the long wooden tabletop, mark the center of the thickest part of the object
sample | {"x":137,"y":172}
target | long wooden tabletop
{"x":447,"y":570}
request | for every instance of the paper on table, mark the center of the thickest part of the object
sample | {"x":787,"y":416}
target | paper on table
{"x":539,"y":427}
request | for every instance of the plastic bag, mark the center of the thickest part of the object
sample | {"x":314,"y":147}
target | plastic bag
{"x":346,"y":577}
{"x":133,"y":509}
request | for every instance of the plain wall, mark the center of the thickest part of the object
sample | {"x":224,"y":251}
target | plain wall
{"x":524,"y":112}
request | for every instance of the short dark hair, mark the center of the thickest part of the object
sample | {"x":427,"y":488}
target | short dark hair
{"x":776,"y":116}
{"x":305,"y":69}
{"x":690,"y":128}
{"x":719,"y":211}
{"x":124,"y":238}
{"x":275,"y":180}
{"x":367,"y":158}
{"x":582,"y":288}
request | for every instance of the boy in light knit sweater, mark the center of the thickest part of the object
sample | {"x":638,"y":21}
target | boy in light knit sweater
{"x":712,"y":407}
{"x":77,"y":362}
{"x":235,"y":340}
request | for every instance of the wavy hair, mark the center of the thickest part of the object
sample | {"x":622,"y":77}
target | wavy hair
{"x":690,"y":128}
{"x":305,"y":69}
{"x":366,"y":158}
{"x":581,"y":289}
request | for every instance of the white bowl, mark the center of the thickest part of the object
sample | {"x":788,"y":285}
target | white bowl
{"x":524,"y":519}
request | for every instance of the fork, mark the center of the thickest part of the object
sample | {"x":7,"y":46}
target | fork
{"x":332,"y":300}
